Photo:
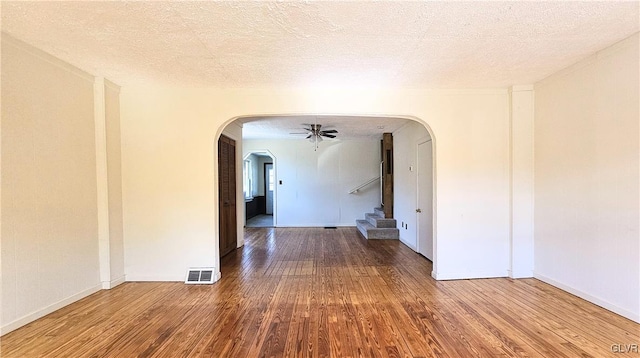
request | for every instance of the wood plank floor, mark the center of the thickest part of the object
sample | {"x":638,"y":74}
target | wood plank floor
{"x":327,"y":293}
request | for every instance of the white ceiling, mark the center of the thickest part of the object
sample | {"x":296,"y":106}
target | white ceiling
{"x":254,"y":44}
{"x":261,"y":44}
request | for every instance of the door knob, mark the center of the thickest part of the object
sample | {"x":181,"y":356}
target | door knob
{"x":418,"y":211}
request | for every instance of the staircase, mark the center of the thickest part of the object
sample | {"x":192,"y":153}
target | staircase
{"x":375,"y":226}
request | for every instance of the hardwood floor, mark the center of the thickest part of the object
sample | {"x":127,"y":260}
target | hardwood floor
{"x":320,"y":293}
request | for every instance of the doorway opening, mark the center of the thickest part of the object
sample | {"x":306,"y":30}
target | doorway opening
{"x":259,"y":188}
{"x":424,"y":186}
{"x":316,"y":183}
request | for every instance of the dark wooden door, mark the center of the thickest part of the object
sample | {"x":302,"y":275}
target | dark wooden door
{"x":227,"y":190}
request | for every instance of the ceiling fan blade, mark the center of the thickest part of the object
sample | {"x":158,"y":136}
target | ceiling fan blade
{"x":309,"y":136}
{"x":328,"y":135}
{"x":330,"y":131}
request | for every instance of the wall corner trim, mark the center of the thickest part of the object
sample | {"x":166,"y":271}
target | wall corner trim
{"x":102,"y":179}
{"x":107,"y":285}
{"x":23,"y":46}
{"x":521,"y":88}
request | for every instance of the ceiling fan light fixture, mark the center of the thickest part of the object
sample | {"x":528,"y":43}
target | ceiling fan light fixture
{"x":316,"y":135}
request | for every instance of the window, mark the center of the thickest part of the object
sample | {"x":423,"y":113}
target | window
{"x":272,"y":179}
{"x":247,"y":183}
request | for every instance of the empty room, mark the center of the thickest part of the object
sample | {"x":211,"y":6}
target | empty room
{"x":320,"y":179}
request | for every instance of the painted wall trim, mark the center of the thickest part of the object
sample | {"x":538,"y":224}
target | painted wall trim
{"x":102,"y":179}
{"x":409,"y":245}
{"x":521,"y":180}
{"x":24,"y":320}
{"x":23,"y":46}
{"x":443,"y":276}
{"x":113,"y":283}
{"x":112,"y":85}
{"x":590,"y":60}
{"x":593,"y":299}
{"x":521,"y":88}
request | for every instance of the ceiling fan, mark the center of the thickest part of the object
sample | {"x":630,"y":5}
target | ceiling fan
{"x":315,"y":133}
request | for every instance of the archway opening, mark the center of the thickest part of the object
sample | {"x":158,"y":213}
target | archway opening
{"x":259,"y":173}
{"x":310,"y":176}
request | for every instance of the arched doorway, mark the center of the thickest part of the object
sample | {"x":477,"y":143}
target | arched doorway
{"x":259,"y":188}
{"x":409,"y":130}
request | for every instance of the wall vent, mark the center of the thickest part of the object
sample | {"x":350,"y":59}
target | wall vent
{"x":199,"y":275}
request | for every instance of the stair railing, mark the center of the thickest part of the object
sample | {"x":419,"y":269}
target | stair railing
{"x":357,"y":189}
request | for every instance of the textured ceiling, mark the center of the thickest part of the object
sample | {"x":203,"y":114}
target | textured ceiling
{"x":255,"y":44}
{"x":348,"y":127}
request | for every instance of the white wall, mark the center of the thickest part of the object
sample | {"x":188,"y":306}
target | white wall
{"x":522,"y":118}
{"x":49,"y":205}
{"x":315,"y":184}
{"x":587,"y":179}
{"x":168,"y":163}
{"x":405,"y":141}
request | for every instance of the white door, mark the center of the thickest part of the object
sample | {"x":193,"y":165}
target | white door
{"x":270,"y":183}
{"x":425,"y":199}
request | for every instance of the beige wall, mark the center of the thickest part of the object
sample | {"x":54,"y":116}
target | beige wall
{"x":587,"y":179}
{"x":169,"y":171}
{"x":586,"y":175}
{"x":49,"y":224}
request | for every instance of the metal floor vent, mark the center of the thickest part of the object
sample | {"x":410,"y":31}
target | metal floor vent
{"x":199,"y":275}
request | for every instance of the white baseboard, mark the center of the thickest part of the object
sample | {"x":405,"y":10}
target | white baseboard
{"x":408,"y":245}
{"x":11,"y":326}
{"x":154,"y":278}
{"x":107,"y":285}
{"x":163,"y":278}
{"x":520,"y":274}
{"x":634,"y":316}
{"x":443,"y":276}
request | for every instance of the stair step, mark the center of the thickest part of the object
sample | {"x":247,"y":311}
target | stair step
{"x":372,"y":233}
{"x":379,"y":221}
{"x":379,"y":212}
